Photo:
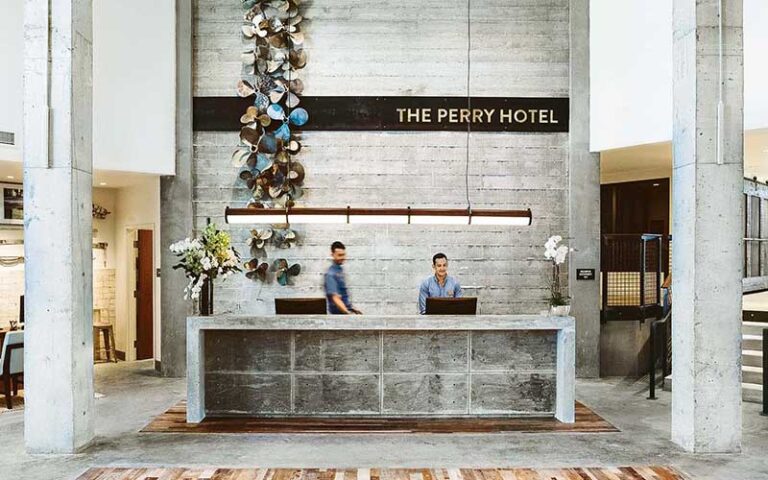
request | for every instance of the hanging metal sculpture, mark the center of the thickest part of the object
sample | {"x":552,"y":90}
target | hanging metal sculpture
{"x":270,"y":134}
{"x":99,"y":212}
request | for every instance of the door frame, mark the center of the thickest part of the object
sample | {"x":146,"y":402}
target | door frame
{"x":130,"y":234}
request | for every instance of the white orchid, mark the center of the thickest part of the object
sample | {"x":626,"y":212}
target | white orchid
{"x":556,"y":254}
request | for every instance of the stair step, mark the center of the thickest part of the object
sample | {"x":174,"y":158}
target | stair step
{"x":752,"y":358}
{"x":752,"y":375}
{"x":751,"y":342}
{"x":753,"y":328}
{"x":751,"y":392}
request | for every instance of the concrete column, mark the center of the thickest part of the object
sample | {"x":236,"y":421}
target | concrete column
{"x":176,"y":207}
{"x":708,"y":225}
{"x":584,"y":201}
{"x":58,"y":355}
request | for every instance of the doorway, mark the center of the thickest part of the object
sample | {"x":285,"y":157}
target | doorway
{"x":144,"y":295}
{"x":635,"y":208}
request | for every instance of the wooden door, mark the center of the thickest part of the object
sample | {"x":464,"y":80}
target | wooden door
{"x":144,"y":296}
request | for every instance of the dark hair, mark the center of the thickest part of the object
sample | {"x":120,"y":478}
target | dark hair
{"x":337,"y":246}
{"x":437,"y":257}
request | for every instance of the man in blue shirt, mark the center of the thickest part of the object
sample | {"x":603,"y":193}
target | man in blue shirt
{"x":335,"y":283}
{"x":438,"y":285}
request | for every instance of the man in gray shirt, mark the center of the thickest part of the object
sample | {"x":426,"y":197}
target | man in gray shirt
{"x":438,"y":285}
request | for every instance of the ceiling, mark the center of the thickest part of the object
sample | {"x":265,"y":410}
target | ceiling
{"x":11,"y":172}
{"x":657,"y":157}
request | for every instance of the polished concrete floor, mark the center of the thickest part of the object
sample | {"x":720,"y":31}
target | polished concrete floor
{"x":133,"y":393}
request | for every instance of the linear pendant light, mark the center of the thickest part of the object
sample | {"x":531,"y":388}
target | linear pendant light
{"x":390,"y":216}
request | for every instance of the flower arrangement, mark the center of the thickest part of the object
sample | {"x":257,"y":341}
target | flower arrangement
{"x":556,"y":253}
{"x":205,"y":258}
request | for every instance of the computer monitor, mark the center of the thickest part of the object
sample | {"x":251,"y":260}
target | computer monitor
{"x":452,"y":306}
{"x":300,"y":306}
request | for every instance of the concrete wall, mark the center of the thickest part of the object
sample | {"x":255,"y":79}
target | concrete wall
{"x":519,"y":48}
{"x":407,"y":373}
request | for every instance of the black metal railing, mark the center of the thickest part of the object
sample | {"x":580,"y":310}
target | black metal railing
{"x":660,"y":337}
{"x":632,"y":269}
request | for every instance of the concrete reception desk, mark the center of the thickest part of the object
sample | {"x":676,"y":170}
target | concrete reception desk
{"x":380,"y":366}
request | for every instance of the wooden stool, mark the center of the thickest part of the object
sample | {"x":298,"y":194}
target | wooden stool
{"x":108,"y":333}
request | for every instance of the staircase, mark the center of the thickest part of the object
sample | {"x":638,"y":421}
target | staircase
{"x":752,"y":358}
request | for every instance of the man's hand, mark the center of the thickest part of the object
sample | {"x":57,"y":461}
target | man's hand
{"x":356,"y":311}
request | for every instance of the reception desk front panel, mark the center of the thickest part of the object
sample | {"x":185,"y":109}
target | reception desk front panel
{"x":380,"y":366}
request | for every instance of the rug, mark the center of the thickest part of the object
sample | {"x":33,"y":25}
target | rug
{"x":175,"y":421}
{"x":652,"y":472}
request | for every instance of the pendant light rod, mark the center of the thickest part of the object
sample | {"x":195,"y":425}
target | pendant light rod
{"x":396,"y":216}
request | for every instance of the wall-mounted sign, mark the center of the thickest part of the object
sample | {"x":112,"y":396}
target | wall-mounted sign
{"x":483,"y":114}
{"x":585,"y":274}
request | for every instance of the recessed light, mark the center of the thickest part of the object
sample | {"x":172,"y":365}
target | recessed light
{"x":103,"y":184}
{"x":10,"y":177}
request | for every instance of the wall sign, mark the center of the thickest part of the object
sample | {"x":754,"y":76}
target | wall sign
{"x":585,"y":274}
{"x":485,"y":114}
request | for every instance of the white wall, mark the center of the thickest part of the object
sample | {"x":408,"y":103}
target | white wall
{"x":133,"y":83}
{"x":137,"y":206}
{"x":631,"y":71}
{"x":104,"y":230}
{"x":11,"y":58}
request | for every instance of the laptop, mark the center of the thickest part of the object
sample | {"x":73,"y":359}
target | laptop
{"x":452,"y":306}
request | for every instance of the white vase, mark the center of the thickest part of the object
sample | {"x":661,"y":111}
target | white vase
{"x":559,"y":310}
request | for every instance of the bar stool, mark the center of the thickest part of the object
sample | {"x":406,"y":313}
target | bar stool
{"x":105,"y":331}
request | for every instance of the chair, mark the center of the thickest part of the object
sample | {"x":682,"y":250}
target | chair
{"x":12,"y":365}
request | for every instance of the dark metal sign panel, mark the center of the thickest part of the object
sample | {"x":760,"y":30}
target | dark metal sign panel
{"x":483,"y":114}
{"x":585,"y":274}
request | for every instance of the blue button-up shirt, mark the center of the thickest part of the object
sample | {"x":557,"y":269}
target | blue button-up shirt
{"x":335,"y":283}
{"x":431,"y":288}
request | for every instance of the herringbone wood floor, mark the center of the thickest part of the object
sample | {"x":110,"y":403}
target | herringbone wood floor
{"x":579,"y":473}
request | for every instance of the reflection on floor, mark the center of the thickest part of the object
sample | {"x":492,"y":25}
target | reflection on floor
{"x":175,"y":420}
{"x":620,"y":473}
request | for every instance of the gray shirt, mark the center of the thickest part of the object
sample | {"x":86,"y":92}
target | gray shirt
{"x":431,"y":288}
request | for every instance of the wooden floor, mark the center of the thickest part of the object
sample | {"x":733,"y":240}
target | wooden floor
{"x":174,"y":421}
{"x":620,"y":473}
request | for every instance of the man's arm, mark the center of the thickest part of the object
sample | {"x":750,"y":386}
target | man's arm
{"x":336,"y":299}
{"x":423,"y":294}
{"x":457,"y":291}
